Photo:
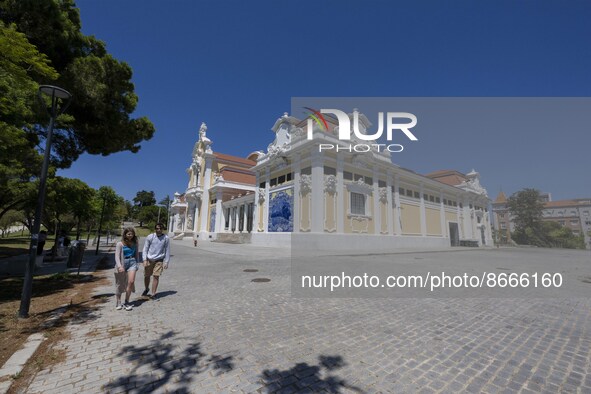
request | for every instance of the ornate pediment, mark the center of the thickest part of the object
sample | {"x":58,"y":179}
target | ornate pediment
{"x":473,"y":184}
{"x":359,"y":186}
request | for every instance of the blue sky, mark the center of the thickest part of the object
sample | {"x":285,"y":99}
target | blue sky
{"x":237,"y":64}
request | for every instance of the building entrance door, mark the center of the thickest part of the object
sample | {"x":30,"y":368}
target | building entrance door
{"x":454,"y":234}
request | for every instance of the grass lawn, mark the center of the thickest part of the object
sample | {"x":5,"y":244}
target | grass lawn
{"x":15,"y":245}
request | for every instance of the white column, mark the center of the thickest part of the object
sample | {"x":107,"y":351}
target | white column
{"x":196,"y":216}
{"x":466,"y":223}
{"x":204,"y":226}
{"x":218,"y":212}
{"x":341,"y":194}
{"x":266,"y":203}
{"x":296,"y":167}
{"x":244,"y":218}
{"x":171,"y":224}
{"x":397,"y":223}
{"x":423,"y":214}
{"x":317,"y":192}
{"x":255,"y":214}
{"x":377,"y":217}
{"x":442,"y":215}
{"x":389,"y":205}
{"x":233,"y":221}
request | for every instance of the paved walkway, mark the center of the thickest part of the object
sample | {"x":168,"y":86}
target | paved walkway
{"x":215,"y":330}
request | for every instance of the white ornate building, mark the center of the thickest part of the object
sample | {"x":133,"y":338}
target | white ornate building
{"x":337,"y":198}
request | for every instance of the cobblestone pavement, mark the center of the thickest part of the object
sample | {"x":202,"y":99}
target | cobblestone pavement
{"x":214,"y":330}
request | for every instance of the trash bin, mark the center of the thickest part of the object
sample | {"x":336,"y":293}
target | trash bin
{"x":76,"y":253}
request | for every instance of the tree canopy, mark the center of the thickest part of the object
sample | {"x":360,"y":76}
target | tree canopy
{"x":41,"y":43}
{"x":98,"y":120}
{"x":144,"y":198}
{"x":526,"y":209}
{"x":527,"y":212}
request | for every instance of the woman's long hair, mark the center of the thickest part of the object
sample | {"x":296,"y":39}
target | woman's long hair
{"x":124,"y":239}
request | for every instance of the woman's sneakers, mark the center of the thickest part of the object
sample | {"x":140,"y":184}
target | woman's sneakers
{"x":127,"y":306}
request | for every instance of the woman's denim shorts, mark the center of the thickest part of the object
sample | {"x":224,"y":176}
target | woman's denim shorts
{"x":130,"y":264}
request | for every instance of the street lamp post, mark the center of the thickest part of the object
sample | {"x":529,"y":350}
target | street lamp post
{"x":98,"y":241}
{"x":57,"y":95}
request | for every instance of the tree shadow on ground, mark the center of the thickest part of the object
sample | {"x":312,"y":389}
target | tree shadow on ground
{"x":11,"y":288}
{"x":160,"y":363}
{"x":306,"y":378}
{"x":76,"y":314}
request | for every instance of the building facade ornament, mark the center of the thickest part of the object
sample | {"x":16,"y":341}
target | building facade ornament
{"x":383,"y":191}
{"x":305,"y":184}
{"x":217,"y":177}
{"x":473,"y":184}
{"x":330,"y":184}
{"x":360,"y":186}
{"x":262,"y":192}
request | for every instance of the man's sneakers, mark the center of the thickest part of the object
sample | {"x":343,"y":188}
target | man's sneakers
{"x":127,"y":306}
{"x":145,"y":293}
{"x":119,"y":307}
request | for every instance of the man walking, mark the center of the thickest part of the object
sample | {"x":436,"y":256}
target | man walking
{"x":156,"y":256}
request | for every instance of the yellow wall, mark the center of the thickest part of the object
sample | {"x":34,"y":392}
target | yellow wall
{"x":411,"y":219}
{"x":433,"y":221}
{"x":384,"y":217}
{"x":330,"y":223}
{"x":305,"y":224}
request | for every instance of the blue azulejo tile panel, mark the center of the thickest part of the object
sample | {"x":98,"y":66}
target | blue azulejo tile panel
{"x":281,"y":211}
{"x":212,"y":220}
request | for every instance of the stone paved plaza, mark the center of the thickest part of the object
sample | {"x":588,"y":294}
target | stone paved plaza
{"x":214,"y":330}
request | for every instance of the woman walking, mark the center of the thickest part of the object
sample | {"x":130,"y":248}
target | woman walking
{"x":126,"y":266}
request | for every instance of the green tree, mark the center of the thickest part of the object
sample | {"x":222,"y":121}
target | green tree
{"x":144,"y":198}
{"x":148,"y":215}
{"x":11,"y":218}
{"x":98,"y":120}
{"x":165,"y":204}
{"x":562,"y":237}
{"x":526,"y":208}
{"x":68,"y":203}
{"x":21,"y":64}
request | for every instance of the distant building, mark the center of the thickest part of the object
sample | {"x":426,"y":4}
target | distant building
{"x":502,"y":219}
{"x":574,"y":214}
{"x":357,"y":197}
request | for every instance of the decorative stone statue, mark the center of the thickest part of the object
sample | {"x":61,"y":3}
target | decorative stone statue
{"x":190,"y":222}
{"x":179,"y":224}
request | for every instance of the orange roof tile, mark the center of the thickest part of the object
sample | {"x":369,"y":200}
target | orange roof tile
{"x":233,"y":175}
{"x":449,"y":177}
{"x":235,"y":159}
{"x":563,"y":203}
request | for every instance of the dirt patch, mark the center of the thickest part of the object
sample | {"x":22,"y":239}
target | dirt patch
{"x":64,"y":294}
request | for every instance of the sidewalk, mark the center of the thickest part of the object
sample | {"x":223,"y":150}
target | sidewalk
{"x":279,"y":252}
{"x":14,"y":267}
